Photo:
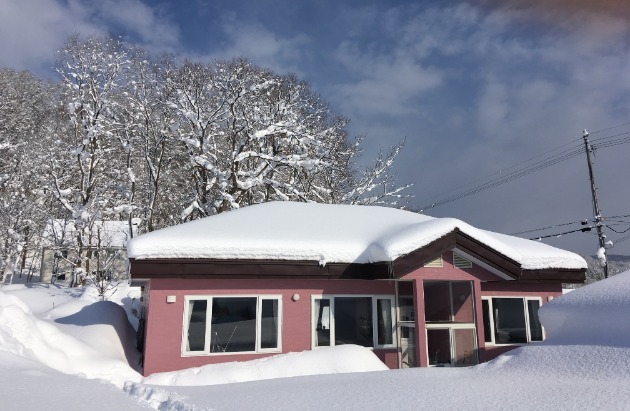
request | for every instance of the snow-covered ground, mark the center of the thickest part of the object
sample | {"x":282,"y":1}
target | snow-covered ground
{"x":64,"y":349}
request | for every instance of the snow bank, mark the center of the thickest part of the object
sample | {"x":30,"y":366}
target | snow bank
{"x":598,"y":314}
{"x":81,"y":336}
{"x":28,"y":385}
{"x":326,"y":360}
{"x":330,"y":234}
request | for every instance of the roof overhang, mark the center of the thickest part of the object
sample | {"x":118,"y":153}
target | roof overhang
{"x":502,"y":266}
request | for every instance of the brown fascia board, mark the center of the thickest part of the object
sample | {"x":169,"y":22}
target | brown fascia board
{"x":566,"y":276}
{"x":250,"y":269}
{"x":457,"y":239}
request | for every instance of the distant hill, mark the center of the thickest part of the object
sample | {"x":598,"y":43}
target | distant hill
{"x":616,"y":264}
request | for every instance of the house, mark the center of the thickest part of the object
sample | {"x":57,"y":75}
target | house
{"x":104,"y":248}
{"x":280,"y":277}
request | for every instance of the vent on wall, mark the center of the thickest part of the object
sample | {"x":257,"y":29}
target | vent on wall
{"x":461,"y":262}
{"x":436,"y":262}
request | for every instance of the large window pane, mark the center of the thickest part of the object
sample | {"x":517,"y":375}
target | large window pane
{"x":353,"y":321}
{"x":509,"y":321}
{"x":535,"y":329}
{"x":465,"y":346}
{"x":437,"y":301}
{"x":384,"y":318}
{"x":322,"y":329}
{"x":233,"y":327}
{"x":196,"y":325}
{"x":439,"y":346}
{"x":269,"y":324}
{"x":462,"y":302}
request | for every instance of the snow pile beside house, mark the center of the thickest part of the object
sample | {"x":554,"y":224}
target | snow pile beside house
{"x":329,"y":234}
{"x":80,"y":336}
{"x":29,"y":385}
{"x":598,"y":314}
{"x":326,"y":360}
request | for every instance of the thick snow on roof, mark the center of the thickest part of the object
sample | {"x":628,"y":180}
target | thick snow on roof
{"x":329,"y":234}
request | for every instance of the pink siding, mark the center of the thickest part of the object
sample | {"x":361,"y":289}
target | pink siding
{"x":164,"y":325}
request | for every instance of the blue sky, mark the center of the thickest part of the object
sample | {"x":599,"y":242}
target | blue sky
{"x":473,"y":87}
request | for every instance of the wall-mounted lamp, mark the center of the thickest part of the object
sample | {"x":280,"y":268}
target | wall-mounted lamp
{"x":295,"y":297}
{"x":170,"y":299}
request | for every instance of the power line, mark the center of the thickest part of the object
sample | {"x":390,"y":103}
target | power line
{"x":618,"y":232}
{"x":610,"y":128}
{"x":506,"y":169}
{"x":574,"y":150}
{"x":585,"y":229}
{"x":548,"y":227}
{"x":539,"y":165}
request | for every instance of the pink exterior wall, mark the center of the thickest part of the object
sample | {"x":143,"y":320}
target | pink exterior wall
{"x":165,"y":322}
{"x":164,"y":325}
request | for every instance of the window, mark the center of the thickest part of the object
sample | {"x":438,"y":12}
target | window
{"x":450,"y":323}
{"x":511,"y":320}
{"x":231,"y":324}
{"x":361,"y":320}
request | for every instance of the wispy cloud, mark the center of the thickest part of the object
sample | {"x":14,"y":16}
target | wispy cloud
{"x":33,"y":30}
{"x":261,"y":45}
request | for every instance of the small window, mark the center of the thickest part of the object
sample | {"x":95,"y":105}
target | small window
{"x":461,"y":262}
{"x":511,"y":320}
{"x":216,"y":325}
{"x":437,"y":262}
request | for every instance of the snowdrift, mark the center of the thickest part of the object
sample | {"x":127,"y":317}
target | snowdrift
{"x":597,"y":314}
{"x":82,"y":336}
{"x":325,"y":360}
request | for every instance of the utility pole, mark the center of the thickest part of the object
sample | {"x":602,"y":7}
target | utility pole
{"x":601,"y":252}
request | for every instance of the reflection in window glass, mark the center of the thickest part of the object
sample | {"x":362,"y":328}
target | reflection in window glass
{"x":509,"y":321}
{"x":322,"y":330}
{"x":353,"y":321}
{"x":269,"y":324}
{"x":535,"y":329}
{"x":462,"y":299}
{"x":384,"y":319}
{"x":487,"y":326}
{"x":439,"y":346}
{"x":196,"y":325}
{"x":437,"y":301}
{"x":233,"y":327}
{"x":465,"y":346}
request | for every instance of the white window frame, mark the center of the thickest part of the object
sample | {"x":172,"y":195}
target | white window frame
{"x":374,"y":297}
{"x":453,"y":325}
{"x":208,"y":298}
{"x":526,"y":312}
{"x":451,"y":335}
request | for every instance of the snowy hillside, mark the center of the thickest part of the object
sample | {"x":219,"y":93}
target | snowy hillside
{"x":61,"y":348}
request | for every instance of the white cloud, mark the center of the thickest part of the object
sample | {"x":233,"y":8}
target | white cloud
{"x":32,"y":30}
{"x":262,"y":46}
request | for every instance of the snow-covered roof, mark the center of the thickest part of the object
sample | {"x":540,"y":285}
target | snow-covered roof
{"x":329,"y":234}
